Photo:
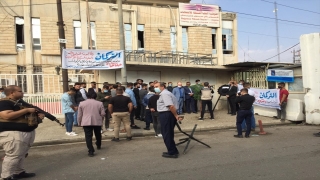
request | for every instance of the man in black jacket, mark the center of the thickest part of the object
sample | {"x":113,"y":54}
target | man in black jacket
{"x":231,"y":95}
{"x":137,"y":96}
{"x":244,"y":113}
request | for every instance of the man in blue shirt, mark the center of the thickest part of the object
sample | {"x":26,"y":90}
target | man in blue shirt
{"x":134,"y":102}
{"x":68,"y":110}
{"x":178,"y":92}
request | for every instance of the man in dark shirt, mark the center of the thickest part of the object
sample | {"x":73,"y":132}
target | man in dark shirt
{"x":152,"y":104}
{"x":231,"y":95}
{"x":16,"y":133}
{"x":137,"y":96}
{"x":120,"y":108}
{"x":244,"y":113}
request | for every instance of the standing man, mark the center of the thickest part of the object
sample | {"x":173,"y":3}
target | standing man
{"x":232,"y":97}
{"x":68,"y":110}
{"x":152,"y":104}
{"x":148,"y":111}
{"x":17,"y":125}
{"x":94,"y":87}
{"x":120,"y":108}
{"x":113,"y":90}
{"x":167,"y":106}
{"x":189,"y":99}
{"x":206,"y":100}
{"x":134,"y":102}
{"x":170,"y":88}
{"x":244,"y":113}
{"x":151,"y":84}
{"x":178,"y":92}
{"x":253,"y":120}
{"x":197,"y":94}
{"x":105,"y":97}
{"x":137,"y":97}
{"x":240,"y":85}
{"x":83,"y":90}
{"x":142,"y":93}
{"x":77,"y":98}
{"x":282,"y":113}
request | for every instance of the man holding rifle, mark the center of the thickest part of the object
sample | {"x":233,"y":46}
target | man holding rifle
{"x":17,"y":125}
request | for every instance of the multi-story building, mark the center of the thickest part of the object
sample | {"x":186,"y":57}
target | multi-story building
{"x":157,"y":46}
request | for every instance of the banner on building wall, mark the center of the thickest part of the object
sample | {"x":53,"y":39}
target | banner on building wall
{"x":199,"y":15}
{"x":268,"y":98}
{"x":92,"y":59}
{"x":277,"y":75}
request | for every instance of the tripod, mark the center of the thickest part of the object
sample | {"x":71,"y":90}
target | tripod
{"x":217,"y":103}
{"x":189,"y":138}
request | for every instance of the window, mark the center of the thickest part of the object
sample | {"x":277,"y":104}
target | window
{"x":227,"y":41}
{"x":37,"y":79}
{"x":140,"y":37}
{"x":173,"y":39}
{"x":128,"y":36}
{"x":36,"y":34}
{"x":297,"y":85}
{"x":184,"y":39}
{"x":19,"y":32}
{"x":93,"y":35}
{"x":22,"y":79}
{"x":214,"y":49}
{"x":77,"y":34}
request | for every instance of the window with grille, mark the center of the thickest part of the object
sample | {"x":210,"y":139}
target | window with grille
{"x":22,"y":79}
{"x":37,"y":79}
{"x":77,"y":34}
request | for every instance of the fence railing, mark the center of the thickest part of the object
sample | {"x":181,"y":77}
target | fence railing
{"x":170,"y":57}
{"x":42,"y":83}
{"x":48,"y":102}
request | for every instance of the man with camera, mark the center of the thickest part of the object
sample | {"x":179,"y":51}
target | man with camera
{"x":246,"y":101}
{"x":206,"y":100}
{"x":17,"y":125}
{"x":231,"y":95}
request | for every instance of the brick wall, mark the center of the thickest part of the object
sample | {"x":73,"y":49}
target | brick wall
{"x":107,"y":35}
{"x":49,"y":36}
{"x":200,"y":40}
{"x":7,"y":35}
{"x":156,"y":41}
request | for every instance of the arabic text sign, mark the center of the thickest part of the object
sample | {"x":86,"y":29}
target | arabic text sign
{"x":276,"y":75}
{"x":199,"y":15}
{"x":92,"y":59}
{"x":267,"y":97}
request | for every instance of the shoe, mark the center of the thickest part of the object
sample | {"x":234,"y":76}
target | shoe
{"x":195,"y":112}
{"x":233,"y":114}
{"x":129,"y":138}
{"x":275,"y":117}
{"x":67,"y":133}
{"x":74,"y":133}
{"x":98,"y":147}
{"x":247,"y":136}
{"x":316,"y":134}
{"x":109,"y":129}
{"x":170,"y":156}
{"x":135,"y":127}
{"x":200,"y":119}
{"x":115,"y":139}
{"x":101,"y":131}
{"x":282,"y":120}
{"x":90,"y":154}
{"x":212,"y":119}
{"x":13,"y":177}
{"x":238,"y":136}
{"x":24,"y":175}
{"x":71,"y":134}
{"x":159,"y":135}
{"x":146,"y":129}
{"x":76,"y":125}
{"x":167,"y":153}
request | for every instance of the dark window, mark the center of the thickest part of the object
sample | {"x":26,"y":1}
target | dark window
{"x":140,"y":37}
{"x":213,"y":41}
{"x":19,"y":34}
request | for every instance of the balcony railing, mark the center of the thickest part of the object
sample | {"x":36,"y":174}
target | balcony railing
{"x":169,"y":57}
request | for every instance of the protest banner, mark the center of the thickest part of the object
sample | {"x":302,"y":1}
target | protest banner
{"x":92,"y":59}
{"x":268,"y":98}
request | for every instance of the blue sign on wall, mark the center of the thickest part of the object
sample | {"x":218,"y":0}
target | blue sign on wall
{"x":277,"y":75}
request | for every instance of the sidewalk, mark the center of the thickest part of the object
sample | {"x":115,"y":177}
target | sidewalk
{"x":50,"y":132}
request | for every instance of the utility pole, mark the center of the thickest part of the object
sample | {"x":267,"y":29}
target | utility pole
{"x":65,"y":82}
{"x":122,"y":43}
{"x":294,"y":55}
{"x":276,"y":14}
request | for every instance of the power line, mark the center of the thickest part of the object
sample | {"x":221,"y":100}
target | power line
{"x":281,"y":52}
{"x":292,"y":7}
{"x":267,"y":35}
{"x":273,"y":18}
{"x":39,"y":4}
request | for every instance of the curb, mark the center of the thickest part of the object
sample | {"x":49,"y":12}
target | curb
{"x":144,"y":134}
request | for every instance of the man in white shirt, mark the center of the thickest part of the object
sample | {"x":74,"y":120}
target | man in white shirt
{"x":83,"y":90}
{"x":240,"y":85}
{"x":253,"y":120}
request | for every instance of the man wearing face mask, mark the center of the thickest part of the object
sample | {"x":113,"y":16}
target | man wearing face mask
{"x":104,"y":97}
{"x":170,"y":88}
{"x":178,"y":92}
{"x":281,"y":113}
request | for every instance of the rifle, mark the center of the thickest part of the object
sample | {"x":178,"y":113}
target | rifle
{"x":39,"y":110}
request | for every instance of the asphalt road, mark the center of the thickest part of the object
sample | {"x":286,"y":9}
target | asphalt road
{"x":287,"y":153}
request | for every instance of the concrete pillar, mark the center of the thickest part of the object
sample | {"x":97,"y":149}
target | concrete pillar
{"x":235,"y":41}
{"x":219,"y":42}
{"x":310,"y":60}
{"x":84,"y":25}
{"x":28,"y":42}
{"x":134,"y":26}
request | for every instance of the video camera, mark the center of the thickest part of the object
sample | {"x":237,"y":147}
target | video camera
{"x":223,"y":90}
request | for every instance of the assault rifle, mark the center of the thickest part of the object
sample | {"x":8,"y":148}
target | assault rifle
{"x":39,"y":110}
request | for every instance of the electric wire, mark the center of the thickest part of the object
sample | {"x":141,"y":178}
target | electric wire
{"x":292,"y":7}
{"x":281,"y":52}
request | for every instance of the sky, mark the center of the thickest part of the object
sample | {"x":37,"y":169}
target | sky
{"x":257,"y":36}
